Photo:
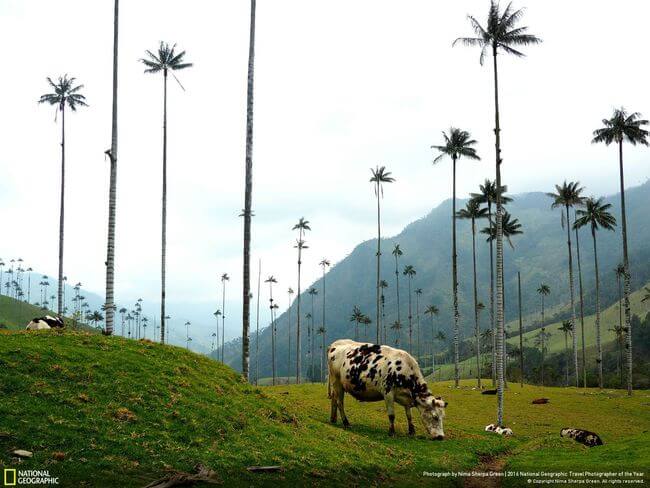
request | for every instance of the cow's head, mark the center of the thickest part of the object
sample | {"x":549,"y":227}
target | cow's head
{"x":432,"y":411}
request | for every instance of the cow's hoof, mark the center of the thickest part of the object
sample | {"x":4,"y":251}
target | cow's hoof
{"x":411,"y":431}
{"x":332,"y":420}
{"x":346,"y":424}
{"x":391,"y":432}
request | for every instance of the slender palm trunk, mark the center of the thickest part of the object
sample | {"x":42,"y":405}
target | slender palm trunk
{"x":223,"y":321}
{"x":164,"y":215}
{"x":599,"y":359}
{"x":573,"y":309}
{"x":248,"y":198}
{"x":289,"y":341}
{"x":61,"y":215}
{"x":521,"y":331}
{"x":112,"y":193}
{"x":454,"y":277}
{"x":477,"y":332}
{"x":492,"y":322}
{"x":499,"y":257}
{"x":298,"y":312}
{"x":417,"y":323}
{"x":311,"y":345}
{"x":620,"y":324}
{"x":397,"y":289}
{"x":626,"y":277}
{"x":257,"y":332}
{"x":324,"y":329}
{"x":272,"y":331}
{"x":377,"y":190}
{"x":582,"y":312}
{"x":410,"y":320}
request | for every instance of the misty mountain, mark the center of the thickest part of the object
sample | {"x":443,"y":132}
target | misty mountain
{"x":540,"y":254}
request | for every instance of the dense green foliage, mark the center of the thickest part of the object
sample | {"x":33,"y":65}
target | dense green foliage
{"x":105,"y":411}
{"x":540,"y":255}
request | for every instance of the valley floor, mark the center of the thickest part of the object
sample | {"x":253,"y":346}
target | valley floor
{"x":104,"y":411}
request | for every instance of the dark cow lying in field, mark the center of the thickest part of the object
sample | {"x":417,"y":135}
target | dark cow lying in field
{"x":372,"y":373}
{"x":589,"y":439}
{"x":46,"y":322}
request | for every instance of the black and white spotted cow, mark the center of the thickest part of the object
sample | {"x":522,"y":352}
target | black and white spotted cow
{"x":46,"y":322}
{"x":371,"y":373}
{"x":589,"y":439}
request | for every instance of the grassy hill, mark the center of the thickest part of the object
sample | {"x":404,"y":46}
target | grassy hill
{"x":608,"y":318}
{"x":105,"y":411}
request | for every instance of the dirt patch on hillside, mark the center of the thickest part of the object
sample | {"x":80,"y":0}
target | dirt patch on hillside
{"x":488,"y":474}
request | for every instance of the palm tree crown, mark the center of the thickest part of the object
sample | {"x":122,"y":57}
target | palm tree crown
{"x":500,"y":32}
{"x":165,"y":59}
{"x":457,"y":143}
{"x":380,"y":176}
{"x":544,"y":289}
{"x":472,"y":210}
{"x":302,"y":225}
{"x":596,"y":214}
{"x":488,"y":193}
{"x":511,"y":227}
{"x":622,"y":127}
{"x":65,"y":93}
{"x":567,"y":195}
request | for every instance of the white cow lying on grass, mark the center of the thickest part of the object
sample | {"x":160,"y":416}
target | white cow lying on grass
{"x":372,"y":373}
{"x":46,"y":322}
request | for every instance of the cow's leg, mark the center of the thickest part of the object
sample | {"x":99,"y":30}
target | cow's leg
{"x":410,"y":420}
{"x":339,"y":400}
{"x":333,"y":409}
{"x":389,"y":398}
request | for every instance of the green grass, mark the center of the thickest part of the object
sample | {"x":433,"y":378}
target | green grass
{"x":105,"y":411}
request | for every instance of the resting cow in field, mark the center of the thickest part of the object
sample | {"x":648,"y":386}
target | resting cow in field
{"x":46,"y":322}
{"x":589,"y":439}
{"x":371,"y":373}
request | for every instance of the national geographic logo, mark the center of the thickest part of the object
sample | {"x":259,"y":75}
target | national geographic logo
{"x":29,"y":477}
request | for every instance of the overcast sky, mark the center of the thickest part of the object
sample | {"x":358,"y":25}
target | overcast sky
{"x":340,"y":86}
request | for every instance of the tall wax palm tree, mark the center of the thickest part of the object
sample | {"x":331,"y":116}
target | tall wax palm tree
{"x":65,"y":94}
{"x":569,"y":195}
{"x":112,"y":192}
{"x":302,"y":226}
{"x":308,"y":318}
{"x":397,"y":252}
{"x":619,"y":271}
{"x":544,"y":290}
{"x":409,"y":271}
{"x":224,"y":278}
{"x":164,"y":60}
{"x":567,"y":329}
{"x":366,"y":321}
{"x":383,"y":284}
{"x":500,"y":34}
{"x":418,"y":293}
{"x":187,"y":334}
{"x":472,"y":212}
{"x":596,"y":215}
{"x":488,"y":195}
{"x":379,"y":177}
{"x":624,"y":127}
{"x":432,"y":311}
{"x":248,"y":194}
{"x":123,"y":312}
{"x":270,"y":280}
{"x":457,"y":143}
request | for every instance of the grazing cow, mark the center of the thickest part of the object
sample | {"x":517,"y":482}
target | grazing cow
{"x":540,"y":401}
{"x":589,"y":439}
{"x":46,"y":322}
{"x":372,"y":373}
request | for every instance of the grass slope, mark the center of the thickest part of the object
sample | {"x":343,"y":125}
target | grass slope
{"x":608,"y":318}
{"x":15,"y":314}
{"x":105,"y":411}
